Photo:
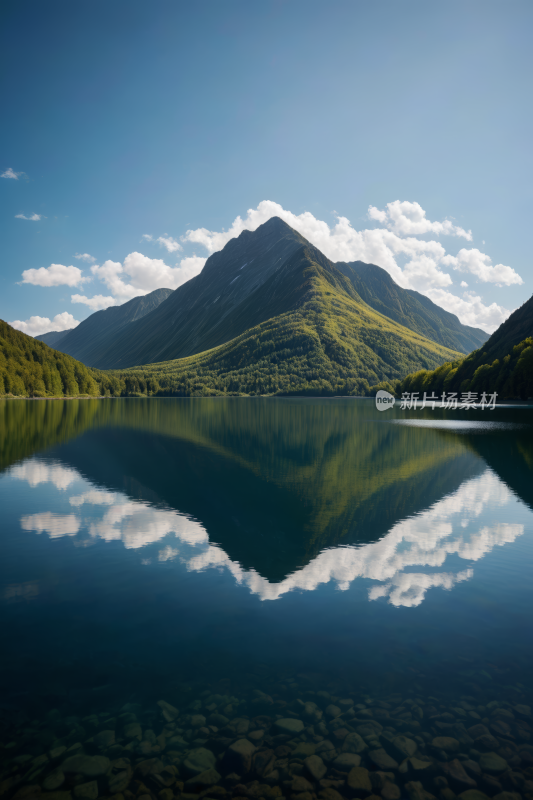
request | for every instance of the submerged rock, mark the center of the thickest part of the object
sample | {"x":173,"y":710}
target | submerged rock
{"x":54,"y":780}
{"x":169,"y":712}
{"x":238,"y":757}
{"x":199,"y":760}
{"x":86,"y":791}
{"x":315,"y":767}
{"x":358,"y":782}
{"x":91,"y":766}
{"x":346,"y":761}
{"x":289,"y":725}
{"x":493,"y":763}
{"x":382,"y":760}
{"x":446,"y":743}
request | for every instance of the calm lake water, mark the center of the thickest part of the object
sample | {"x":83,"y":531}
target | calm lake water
{"x":253,"y":561}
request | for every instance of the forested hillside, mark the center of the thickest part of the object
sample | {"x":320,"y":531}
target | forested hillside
{"x":504,"y":364}
{"x":510,"y":377}
{"x":29,"y":368}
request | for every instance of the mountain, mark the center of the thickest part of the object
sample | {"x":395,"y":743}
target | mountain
{"x":315,"y":336}
{"x":504,"y":364}
{"x":412,"y":309}
{"x":33,"y":369}
{"x":258,"y":277}
{"x":52,"y":338}
{"x":205,"y":311}
{"x":515,"y":329}
{"x":86,"y":340}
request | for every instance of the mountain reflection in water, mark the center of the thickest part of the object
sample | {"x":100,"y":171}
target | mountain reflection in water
{"x":143,"y":538}
{"x":424,"y":540}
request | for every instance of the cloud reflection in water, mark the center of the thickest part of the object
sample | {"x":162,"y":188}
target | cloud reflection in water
{"x":425,"y":540}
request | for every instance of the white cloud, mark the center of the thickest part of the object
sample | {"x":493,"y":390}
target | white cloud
{"x":85,"y":257}
{"x":33,"y":218}
{"x":96,"y":303}
{"x":10,"y":173}
{"x":413,"y":263}
{"x":478,"y":264}
{"x":168,"y":242}
{"x":35,"y":326}
{"x":408,"y":219}
{"x":470,"y":309}
{"x":54,"y":275}
{"x":139,"y":275}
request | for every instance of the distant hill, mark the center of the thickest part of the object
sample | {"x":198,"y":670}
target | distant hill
{"x":29,"y":368}
{"x":52,"y":338}
{"x":504,"y":364}
{"x":412,"y":309}
{"x":315,"y":336}
{"x":86,"y":341}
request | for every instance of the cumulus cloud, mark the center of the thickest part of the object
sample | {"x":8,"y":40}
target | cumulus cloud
{"x":96,"y":303}
{"x":421,"y":264}
{"x":139,"y":274}
{"x":35,"y":326}
{"x":470,"y":309}
{"x":479,"y":264}
{"x":409,"y":219}
{"x":85,"y":257}
{"x":33,"y":218}
{"x":54,"y":275}
{"x":413,"y":263}
{"x":168,"y":242}
{"x":10,"y":173}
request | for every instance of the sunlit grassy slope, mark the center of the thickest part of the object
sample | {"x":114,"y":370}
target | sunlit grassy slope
{"x":325,"y":340}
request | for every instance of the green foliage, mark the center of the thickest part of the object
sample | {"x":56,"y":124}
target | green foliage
{"x":511,"y":377}
{"x":327,"y":342}
{"x":29,"y":368}
{"x":330,"y":345}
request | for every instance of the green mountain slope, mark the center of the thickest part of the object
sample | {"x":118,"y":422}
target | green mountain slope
{"x":52,"y":338}
{"x":412,"y":309}
{"x":91,"y":335}
{"x":233,"y":293}
{"x":315,"y":336}
{"x":31,"y":368}
{"x":503,"y":365}
{"x":201,"y":313}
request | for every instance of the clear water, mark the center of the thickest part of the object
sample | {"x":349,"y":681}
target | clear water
{"x":311,"y":550}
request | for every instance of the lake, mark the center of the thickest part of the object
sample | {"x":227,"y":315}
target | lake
{"x":265,"y":597}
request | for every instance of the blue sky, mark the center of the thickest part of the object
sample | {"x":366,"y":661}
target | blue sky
{"x":130,"y":120}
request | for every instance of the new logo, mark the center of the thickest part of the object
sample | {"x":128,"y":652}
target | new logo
{"x":384,"y":400}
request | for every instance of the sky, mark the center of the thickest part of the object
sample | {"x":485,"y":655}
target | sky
{"x":138,"y":138}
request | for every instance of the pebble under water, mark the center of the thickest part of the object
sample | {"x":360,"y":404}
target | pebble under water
{"x":265,"y":598}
